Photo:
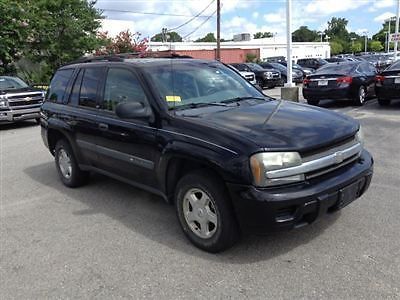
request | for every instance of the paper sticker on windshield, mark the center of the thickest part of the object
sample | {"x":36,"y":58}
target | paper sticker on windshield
{"x":173,"y":98}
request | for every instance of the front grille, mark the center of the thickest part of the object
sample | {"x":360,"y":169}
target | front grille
{"x":276,"y":75}
{"x":24,"y":100}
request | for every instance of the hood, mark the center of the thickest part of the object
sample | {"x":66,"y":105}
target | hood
{"x":21,"y":90}
{"x":282,"y":125}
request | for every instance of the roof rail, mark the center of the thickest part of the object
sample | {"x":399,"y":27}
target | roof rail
{"x":121,"y":56}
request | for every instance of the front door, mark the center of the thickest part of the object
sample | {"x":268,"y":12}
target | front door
{"x":126,"y":148}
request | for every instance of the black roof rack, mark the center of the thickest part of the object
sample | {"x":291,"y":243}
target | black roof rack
{"x":122,"y":56}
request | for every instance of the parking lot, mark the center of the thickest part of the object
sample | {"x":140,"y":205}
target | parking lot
{"x":110,"y":240}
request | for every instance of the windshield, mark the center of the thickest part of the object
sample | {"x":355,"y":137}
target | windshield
{"x":185,"y":83}
{"x":11,"y":83}
{"x":255,"y":67}
{"x":278,"y":66}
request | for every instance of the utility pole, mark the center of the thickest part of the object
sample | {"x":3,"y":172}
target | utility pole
{"x":218,"y":54}
{"x":397,"y":30}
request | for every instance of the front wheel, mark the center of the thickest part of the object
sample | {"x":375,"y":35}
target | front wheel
{"x":205,"y":213}
{"x":260,"y":82}
{"x":68,"y":170}
{"x":361,"y":96}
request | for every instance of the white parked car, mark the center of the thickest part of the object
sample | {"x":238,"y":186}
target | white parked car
{"x":249,"y":76}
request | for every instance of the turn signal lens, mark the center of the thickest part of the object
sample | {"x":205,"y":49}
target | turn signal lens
{"x":306,"y":81}
{"x":379,"y":78}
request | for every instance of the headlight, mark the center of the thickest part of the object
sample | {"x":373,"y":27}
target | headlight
{"x":3,"y":101}
{"x":360,"y":136}
{"x":268,"y":74}
{"x":262,"y":163}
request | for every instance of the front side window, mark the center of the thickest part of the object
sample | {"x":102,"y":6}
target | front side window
{"x":181,"y":84}
{"x":59,"y":85}
{"x":122,"y":86}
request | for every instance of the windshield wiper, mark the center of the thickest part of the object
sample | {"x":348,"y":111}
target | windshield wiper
{"x":198,"y":104}
{"x":237,"y":99}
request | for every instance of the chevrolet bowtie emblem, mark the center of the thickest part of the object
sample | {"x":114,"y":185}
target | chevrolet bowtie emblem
{"x":28,"y":98}
{"x":339,"y":157}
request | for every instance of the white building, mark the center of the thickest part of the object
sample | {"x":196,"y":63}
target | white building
{"x":268,"y":47}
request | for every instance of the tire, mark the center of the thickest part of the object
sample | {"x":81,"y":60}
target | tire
{"x":214,"y":210}
{"x":260,"y":82}
{"x":68,"y":170}
{"x":313,"y":102}
{"x":361,"y":96}
{"x":384,"y":102}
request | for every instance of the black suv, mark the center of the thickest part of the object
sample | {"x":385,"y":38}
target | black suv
{"x":200,"y":136}
{"x":265,"y":77}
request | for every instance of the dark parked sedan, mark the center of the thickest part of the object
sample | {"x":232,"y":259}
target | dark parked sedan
{"x":387,"y":85}
{"x":353,"y":81}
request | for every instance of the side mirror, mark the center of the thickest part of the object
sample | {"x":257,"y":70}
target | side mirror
{"x":132,"y":110}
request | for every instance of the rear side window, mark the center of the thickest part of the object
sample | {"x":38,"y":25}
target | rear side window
{"x":76,"y":89}
{"x":59,"y":85}
{"x":90,"y":82}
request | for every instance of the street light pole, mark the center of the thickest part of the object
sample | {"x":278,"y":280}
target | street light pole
{"x":397,"y":29}
{"x":289,"y":82}
{"x":365,"y":43}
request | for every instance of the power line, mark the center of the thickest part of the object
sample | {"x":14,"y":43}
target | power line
{"x":194,"y":17}
{"x":153,"y":13}
{"x":198,"y":27}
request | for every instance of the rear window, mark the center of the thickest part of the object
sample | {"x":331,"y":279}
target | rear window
{"x":395,"y":66}
{"x":58,"y":85}
{"x":337,"y":68}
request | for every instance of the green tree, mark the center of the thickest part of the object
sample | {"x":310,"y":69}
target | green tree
{"x":381,"y":34}
{"x":375,"y":46}
{"x":170,"y":37}
{"x":336,"y":47}
{"x":208,"y":38}
{"x":356,"y":47}
{"x":13,"y":33}
{"x":61,"y":31}
{"x":263,"y":35}
{"x":303,"y":34}
{"x":337,"y":29}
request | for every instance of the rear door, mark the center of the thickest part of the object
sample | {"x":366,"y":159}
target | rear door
{"x":82,"y":112}
{"x":126,"y":148}
{"x":367,"y":76}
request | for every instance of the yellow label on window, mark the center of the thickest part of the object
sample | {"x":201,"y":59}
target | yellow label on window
{"x":173,"y":98}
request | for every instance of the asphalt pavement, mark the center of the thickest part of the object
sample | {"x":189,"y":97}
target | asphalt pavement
{"x":109,"y":240}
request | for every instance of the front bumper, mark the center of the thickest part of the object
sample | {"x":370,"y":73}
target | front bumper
{"x":282,"y":208}
{"x":272,"y":82}
{"x":19,"y":114}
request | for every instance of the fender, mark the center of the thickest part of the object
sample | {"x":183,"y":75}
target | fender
{"x":230,"y":167}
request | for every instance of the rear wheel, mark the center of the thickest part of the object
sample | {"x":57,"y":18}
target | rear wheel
{"x":205,"y":213}
{"x":361,"y":96}
{"x":68,"y":170}
{"x":313,"y":102}
{"x":384,"y":102}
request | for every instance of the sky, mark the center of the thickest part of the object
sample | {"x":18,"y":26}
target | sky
{"x":240,"y":16}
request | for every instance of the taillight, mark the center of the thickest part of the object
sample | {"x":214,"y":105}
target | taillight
{"x":345,"y":79}
{"x":379,"y":78}
{"x":306,"y":81}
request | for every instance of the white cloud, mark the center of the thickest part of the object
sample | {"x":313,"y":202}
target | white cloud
{"x":379,"y":4}
{"x":328,"y":7}
{"x":382,"y":17}
{"x":255,"y":15}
